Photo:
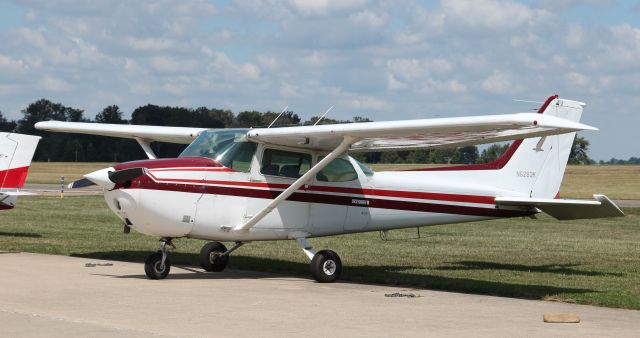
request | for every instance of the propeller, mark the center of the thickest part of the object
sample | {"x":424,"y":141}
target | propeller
{"x":80,"y":183}
{"x":124,"y":175}
{"x":108,"y":177}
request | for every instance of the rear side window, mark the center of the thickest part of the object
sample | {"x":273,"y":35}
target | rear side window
{"x":339,"y":170}
{"x":284,"y":163}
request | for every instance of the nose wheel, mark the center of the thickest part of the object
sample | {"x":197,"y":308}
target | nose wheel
{"x":158,"y":264}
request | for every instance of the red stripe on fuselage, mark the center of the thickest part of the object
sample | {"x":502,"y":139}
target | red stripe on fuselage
{"x":344,"y":190}
{"x":245,"y":190}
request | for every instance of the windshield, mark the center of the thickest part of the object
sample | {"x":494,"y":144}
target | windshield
{"x":211,"y":143}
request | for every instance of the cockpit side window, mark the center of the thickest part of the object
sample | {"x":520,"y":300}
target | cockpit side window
{"x":284,"y":163}
{"x":238,"y":156}
{"x":339,"y":170}
{"x":365,"y":169}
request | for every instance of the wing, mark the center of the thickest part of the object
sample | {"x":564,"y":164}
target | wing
{"x":180,"y":135}
{"x":426,"y":133}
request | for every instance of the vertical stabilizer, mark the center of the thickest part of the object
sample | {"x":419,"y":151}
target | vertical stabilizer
{"x":16,"y":152}
{"x":537,"y":165}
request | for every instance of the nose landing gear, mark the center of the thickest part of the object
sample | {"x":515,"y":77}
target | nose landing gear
{"x":326,"y":265}
{"x":158,"y":264}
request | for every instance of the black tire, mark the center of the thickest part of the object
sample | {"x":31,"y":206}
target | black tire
{"x":211,"y":258}
{"x":326,"y":266}
{"x":152,"y":266}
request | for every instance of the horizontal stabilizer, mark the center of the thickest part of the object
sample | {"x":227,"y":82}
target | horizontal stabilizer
{"x":565,"y":209}
{"x":15,"y":193}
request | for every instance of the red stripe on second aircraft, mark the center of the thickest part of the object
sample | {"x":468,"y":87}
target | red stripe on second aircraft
{"x":14,"y":177}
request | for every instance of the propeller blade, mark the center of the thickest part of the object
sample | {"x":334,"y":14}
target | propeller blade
{"x":101,"y":178}
{"x":126,"y":174}
{"x":80,"y":183}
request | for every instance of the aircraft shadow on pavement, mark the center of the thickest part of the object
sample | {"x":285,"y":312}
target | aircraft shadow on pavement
{"x":564,"y":269}
{"x":243,"y":267}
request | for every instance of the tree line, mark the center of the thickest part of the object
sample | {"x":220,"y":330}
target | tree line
{"x":613,"y":160}
{"x":60,"y":147}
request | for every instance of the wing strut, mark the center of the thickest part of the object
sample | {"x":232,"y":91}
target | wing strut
{"x":339,"y":150}
{"x":146,"y":146}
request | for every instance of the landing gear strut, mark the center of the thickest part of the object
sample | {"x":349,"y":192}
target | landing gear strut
{"x":326,"y":265}
{"x":158,"y":264}
{"x":214,"y":256}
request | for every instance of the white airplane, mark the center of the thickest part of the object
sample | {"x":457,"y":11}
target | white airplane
{"x":16,"y":152}
{"x":295,"y":183}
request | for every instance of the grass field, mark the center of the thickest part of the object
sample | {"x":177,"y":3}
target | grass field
{"x":50,"y":172}
{"x":588,"y":262}
{"x":615,"y":181}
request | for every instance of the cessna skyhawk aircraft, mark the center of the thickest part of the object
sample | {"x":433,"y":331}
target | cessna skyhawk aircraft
{"x":16,"y":152}
{"x":295,"y":183}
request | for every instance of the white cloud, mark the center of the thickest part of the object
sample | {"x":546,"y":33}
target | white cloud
{"x":367,"y":103}
{"x":219,"y":63}
{"x":325,"y":7}
{"x":168,"y":64}
{"x":575,"y":35}
{"x":500,"y":82}
{"x":152,"y":44}
{"x":369,"y":19}
{"x":10,"y":65}
{"x":53,"y":84}
{"x":492,"y":14}
{"x":577,"y":79}
{"x":289,"y":91}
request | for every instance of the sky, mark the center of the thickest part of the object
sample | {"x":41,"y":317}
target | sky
{"x":386,"y":60}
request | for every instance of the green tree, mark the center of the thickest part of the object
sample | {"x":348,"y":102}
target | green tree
{"x":53,"y":146}
{"x":579,"y":149}
{"x":468,"y":155}
{"x":493,"y":152}
{"x":6,"y":125}
{"x":444,"y":156}
{"x":110,"y":114}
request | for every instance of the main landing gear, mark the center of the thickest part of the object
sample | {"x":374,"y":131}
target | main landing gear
{"x":326,"y":265}
{"x":214,"y":257}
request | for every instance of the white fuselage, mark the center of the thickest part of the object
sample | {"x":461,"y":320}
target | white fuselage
{"x":208,"y":202}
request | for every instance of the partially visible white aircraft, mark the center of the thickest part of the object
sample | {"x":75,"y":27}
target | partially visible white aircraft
{"x":296,"y":183}
{"x":16,"y":152}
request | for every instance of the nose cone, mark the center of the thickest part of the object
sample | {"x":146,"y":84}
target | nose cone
{"x":101,"y":178}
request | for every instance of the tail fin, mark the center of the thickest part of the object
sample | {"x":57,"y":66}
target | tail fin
{"x":536,"y":166}
{"x":16,"y":152}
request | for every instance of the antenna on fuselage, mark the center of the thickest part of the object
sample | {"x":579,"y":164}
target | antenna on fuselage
{"x":277,"y":117}
{"x":528,"y":101}
{"x":323,"y":115}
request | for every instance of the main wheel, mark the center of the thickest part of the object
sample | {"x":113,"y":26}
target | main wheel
{"x":326,"y":266}
{"x":152,"y":266}
{"x":212,"y":258}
